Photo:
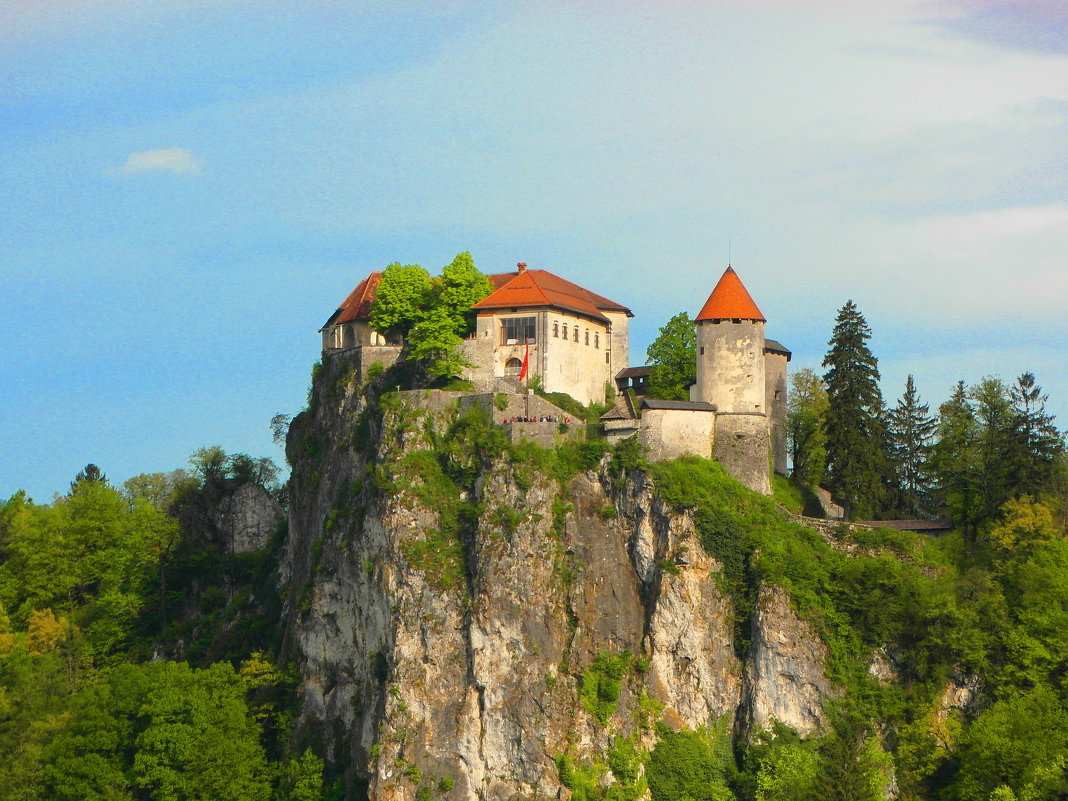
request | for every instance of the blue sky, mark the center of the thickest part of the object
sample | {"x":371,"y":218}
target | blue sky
{"x":191,"y":187}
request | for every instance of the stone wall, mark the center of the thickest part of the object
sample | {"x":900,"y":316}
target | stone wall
{"x":363,"y":356}
{"x":669,"y":433}
{"x":547,"y":433}
{"x":742,"y":446}
{"x":775,"y":394}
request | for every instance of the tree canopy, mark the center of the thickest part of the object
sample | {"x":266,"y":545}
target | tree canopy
{"x":806,"y":416}
{"x":432,"y":315}
{"x":673,"y":358}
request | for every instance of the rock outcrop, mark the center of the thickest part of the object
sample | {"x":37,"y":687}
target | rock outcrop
{"x":445,"y":600}
{"x":784,"y":674}
{"x":248,"y":517}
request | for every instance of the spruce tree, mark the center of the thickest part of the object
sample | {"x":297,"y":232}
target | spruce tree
{"x":997,"y":453}
{"x":911,"y":429}
{"x":954,"y":458}
{"x":1037,"y":442}
{"x":856,"y":432}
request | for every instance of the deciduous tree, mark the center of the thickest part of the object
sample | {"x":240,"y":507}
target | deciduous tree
{"x":673,"y":357}
{"x":806,"y":414}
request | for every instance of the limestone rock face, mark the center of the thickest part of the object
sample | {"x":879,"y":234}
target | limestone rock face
{"x":442,"y":638}
{"x":248,"y":517}
{"x":784,"y":673}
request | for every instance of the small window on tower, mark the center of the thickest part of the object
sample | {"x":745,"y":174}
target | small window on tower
{"x":597,"y":340}
{"x":575,"y":337}
{"x":587,"y":337}
{"x":702,"y":350}
{"x":565,"y":330}
{"x":556,"y":330}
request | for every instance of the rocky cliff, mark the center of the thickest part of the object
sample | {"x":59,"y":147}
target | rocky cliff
{"x":468,"y":617}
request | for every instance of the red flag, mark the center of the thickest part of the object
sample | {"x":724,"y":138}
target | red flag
{"x":526,"y":359}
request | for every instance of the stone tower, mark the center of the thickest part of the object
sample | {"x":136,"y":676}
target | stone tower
{"x":730,"y":375}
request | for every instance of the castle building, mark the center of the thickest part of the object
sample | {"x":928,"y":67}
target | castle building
{"x":576,"y":342}
{"x":737,"y":407}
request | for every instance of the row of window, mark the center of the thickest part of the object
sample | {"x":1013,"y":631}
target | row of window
{"x":575,"y":334}
{"x":521,"y":331}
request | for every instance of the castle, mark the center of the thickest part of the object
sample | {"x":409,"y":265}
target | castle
{"x":576,"y":341}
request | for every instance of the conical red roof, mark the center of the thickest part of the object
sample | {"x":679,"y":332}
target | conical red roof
{"x":730,"y":301}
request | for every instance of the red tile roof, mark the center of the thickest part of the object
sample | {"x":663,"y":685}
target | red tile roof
{"x":730,"y":301}
{"x":525,"y":288}
{"x":357,"y":306}
{"x":533,"y":288}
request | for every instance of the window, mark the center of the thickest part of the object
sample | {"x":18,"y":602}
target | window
{"x":556,"y":330}
{"x":513,"y":367}
{"x":517,"y":331}
{"x":597,"y":340}
{"x":587,"y":336}
{"x":576,"y":334}
{"x":565,"y":330}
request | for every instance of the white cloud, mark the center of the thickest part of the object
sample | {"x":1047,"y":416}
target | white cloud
{"x":169,"y":159}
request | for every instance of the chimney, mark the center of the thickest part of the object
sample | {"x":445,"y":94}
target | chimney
{"x":521,"y":266}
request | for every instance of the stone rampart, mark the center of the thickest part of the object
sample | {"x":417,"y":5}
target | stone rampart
{"x":742,"y":446}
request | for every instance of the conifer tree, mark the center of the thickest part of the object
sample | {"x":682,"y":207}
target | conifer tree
{"x":954,"y":455}
{"x":997,"y":460}
{"x":1038,"y":443}
{"x":911,"y":429}
{"x":856,"y":432}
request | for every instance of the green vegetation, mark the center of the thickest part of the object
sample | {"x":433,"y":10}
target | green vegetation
{"x":856,"y":432}
{"x":139,"y":658}
{"x":806,"y":413}
{"x":673,"y":357}
{"x":692,"y":765}
{"x":911,"y":429}
{"x":431,"y":315}
{"x":93,"y":587}
{"x":600,"y":685}
{"x":988,"y":444}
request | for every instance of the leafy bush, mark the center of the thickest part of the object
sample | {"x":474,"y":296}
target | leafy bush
{"x":691,"y":765}
{"x":600,"y":685}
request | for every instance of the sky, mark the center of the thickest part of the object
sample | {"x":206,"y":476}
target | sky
{"x":190,"y":187}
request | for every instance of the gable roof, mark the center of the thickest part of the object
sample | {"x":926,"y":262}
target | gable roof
{"x":541,"y":288}
{"x":730,"y":300}
{"x":533,"y":288}
{"x":357,"y":306}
